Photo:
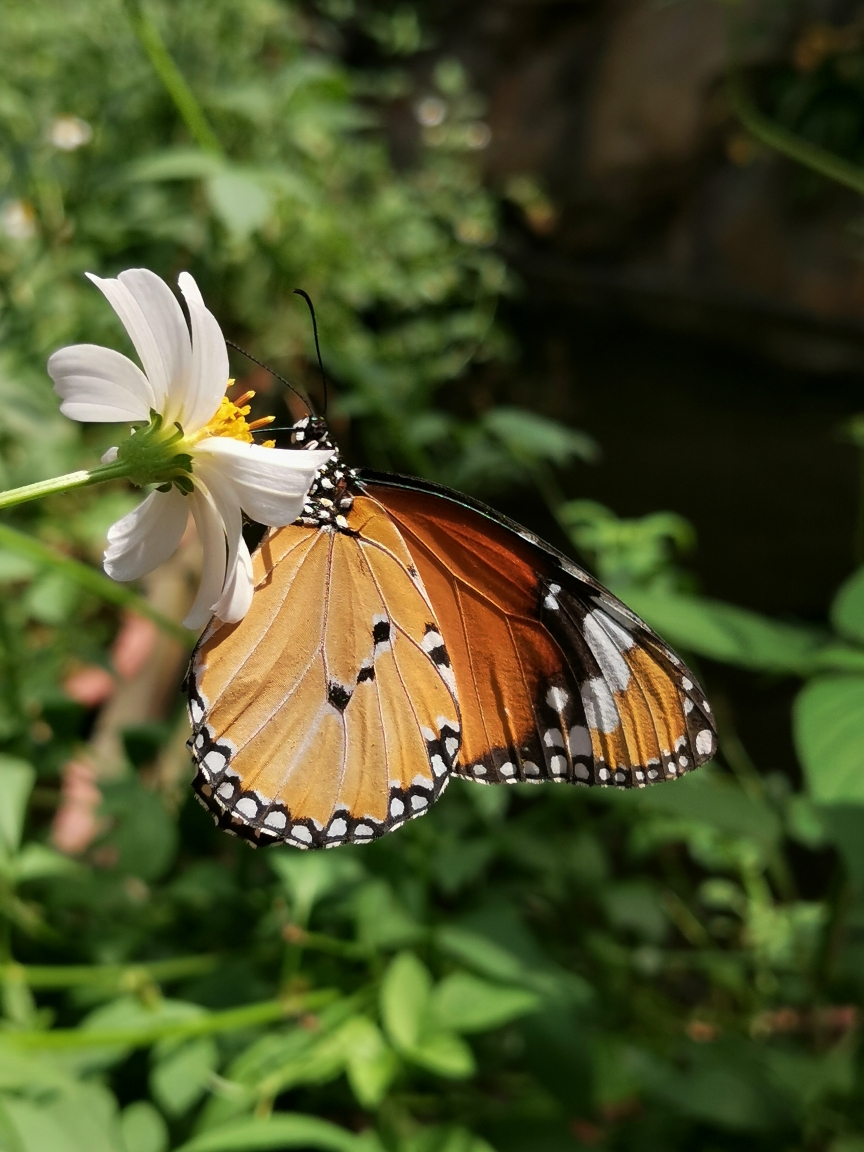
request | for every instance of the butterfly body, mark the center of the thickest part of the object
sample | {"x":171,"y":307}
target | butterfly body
{"x":401,"y":634}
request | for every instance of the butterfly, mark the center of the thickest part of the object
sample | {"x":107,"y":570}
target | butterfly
{"x":400,"y":634}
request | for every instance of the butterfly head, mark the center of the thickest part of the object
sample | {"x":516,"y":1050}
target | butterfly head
{"x":331,"y":495}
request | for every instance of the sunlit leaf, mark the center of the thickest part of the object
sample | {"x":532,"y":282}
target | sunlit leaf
{"x":444,"y":1053}
{"x":181,"y":1072}
{"x":143,"y":1129}
{"x":279,"y":1131}
{"x":465,"y":1003}
{"x":847,"y":611}
{"x":242,"y":203}
{"x":829,"y":736}
{"x":16,"y":784}
{"x":405,"y":994}
{"x":370,"y":1062}
{"x":727,"y":633}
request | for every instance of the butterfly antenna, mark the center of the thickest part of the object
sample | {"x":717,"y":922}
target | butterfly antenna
{"x":311,"y":307}
{"x":276,"y":375}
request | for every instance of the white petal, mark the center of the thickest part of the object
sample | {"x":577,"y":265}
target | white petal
{"x":270,"y":484}
{"x":99,"y":384}
{"x":146,"y":537}
{"x":225,"y":500}
{"x":110,"y":456}
{"x":209,"y":373}
{"x":211,"y":533}
{"x":162,"y":311}
{"x":144,"y":336}
{"x":237,"y":595}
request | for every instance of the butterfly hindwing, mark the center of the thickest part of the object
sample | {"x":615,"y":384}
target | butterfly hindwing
{"x":325,"y":715}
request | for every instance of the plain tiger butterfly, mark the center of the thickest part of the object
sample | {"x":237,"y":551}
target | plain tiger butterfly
{"x":401,"y":633}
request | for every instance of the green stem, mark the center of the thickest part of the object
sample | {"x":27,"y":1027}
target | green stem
{"x":127,"y":976}
{"x":90,"y":580}
{"x":232,"y":1020}
{"x":172,"y":78}
{"x":66,"y":483}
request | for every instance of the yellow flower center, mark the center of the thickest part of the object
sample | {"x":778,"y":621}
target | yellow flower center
{"x":230,"y":420}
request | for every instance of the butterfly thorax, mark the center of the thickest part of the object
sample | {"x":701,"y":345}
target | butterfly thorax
{"x":331,"y":495}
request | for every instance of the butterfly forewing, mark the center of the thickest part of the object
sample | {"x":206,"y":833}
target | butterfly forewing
{"x":325,"y":715}
{"x":556,"y":678}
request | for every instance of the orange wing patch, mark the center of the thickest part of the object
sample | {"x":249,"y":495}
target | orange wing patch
{"x":557,"y":679}
{"x":325,"y":715}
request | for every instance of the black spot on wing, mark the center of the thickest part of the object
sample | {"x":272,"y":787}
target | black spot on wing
{"x":338,"y":696}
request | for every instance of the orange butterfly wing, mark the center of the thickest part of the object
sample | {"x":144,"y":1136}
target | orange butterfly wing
{"x":324,"y":716}
{"x":429,"y":636}
{"x":556,"y":678}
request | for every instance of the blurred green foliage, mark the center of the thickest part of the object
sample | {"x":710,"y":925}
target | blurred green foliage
{"x":544,"y":969}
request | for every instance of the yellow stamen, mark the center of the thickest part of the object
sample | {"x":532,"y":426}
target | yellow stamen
{"x":230,"y":420}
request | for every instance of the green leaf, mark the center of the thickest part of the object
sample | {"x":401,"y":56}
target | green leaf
{"x":405,"y":994}
{"x":283,"y":1130}
{"x":527,"y":435}
{"x":176,"y":164}
{"x":144,"y":835}
{"x":310,"y":876}
{"x":52,"y":598}
{"x":715,"y":800}
{"x":181,"y":1073}
{"x":143,"y":1129}
{"x":370,"y":1062}
{"x":847,"y":611}
{"x":382,"y":921}
{"x":444,"y":1139}
{"x":828,"y":724}
{"x":16,"y":783}
{"x":726,"y":633}
{"x":38,"y":861}
{"x":444,"y":1053}
{"x":81,"y":1119}
{"x":481,"y":953}
{"x":242,"y":203}
{"x":465,"y":1003}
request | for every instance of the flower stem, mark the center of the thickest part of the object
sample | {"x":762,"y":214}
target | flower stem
{"x":62,"y":484}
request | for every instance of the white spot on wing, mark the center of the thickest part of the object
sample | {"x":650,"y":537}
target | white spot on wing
{"x":338,"y":828}
{"x":276,"y":820}
{"x":704,"y":742}
{"x":247,"y":808}
{"x":606,"y":651}
{"x":600,"y":710}
{"x":557,"y":698}
{"x":580,"y":741}
{"x":396,"y":807}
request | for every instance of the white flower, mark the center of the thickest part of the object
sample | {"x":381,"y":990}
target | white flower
{"x":184,"y":382}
